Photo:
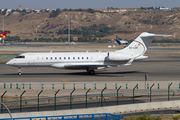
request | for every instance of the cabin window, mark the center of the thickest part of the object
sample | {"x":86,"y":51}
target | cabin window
{"x":82,"y":57}
{"x":20,"y":56}
{"x":91,"y":57}
{"x":60,"y":58}
{"x":64,"y":57}
{"x":37,"y":58}
{"x":73,"y":57}
{"x":46,"y":58}
{"x":87,"y":57}
{"x":69,"y":58}
{"x":78,"y":57}
{"x":55,"y":58}
{"x":51,"y":58}
{"x":42,"y":58}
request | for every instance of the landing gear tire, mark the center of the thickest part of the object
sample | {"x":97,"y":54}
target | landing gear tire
{"x":91,"y":72}
{"x":19,"y":73}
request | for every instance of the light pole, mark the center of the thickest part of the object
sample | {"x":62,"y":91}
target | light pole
{"x":68,"y":29}
{"x":3,"y":30}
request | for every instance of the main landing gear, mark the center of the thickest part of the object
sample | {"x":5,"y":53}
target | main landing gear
{"x":19,"y":71}
{"x":91,"y":72}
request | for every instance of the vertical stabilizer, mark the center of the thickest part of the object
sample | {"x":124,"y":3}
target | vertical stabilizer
{"x":3,"y":35}
{"x":139,"y":46}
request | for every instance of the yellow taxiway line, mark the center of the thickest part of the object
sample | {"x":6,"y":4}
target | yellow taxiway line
{"x":64,"y":80}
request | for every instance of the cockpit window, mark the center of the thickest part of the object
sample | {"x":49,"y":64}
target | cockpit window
{"x":20,"y":57}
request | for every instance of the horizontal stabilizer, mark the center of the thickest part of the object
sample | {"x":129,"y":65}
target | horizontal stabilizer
{"x":145,"y":34}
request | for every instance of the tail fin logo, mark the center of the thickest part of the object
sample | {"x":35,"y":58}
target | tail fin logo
{"x":139,"y":44}
{"x":3,"y":35}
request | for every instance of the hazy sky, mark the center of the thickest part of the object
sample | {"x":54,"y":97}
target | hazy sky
{"x":53,"y":4}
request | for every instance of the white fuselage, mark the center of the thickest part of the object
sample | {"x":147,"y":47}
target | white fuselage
{"x":71,"y":60}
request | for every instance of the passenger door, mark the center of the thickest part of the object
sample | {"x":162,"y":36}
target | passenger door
{"x":31,"y":59}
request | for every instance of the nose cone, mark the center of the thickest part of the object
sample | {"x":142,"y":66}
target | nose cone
{"x":10,"y":63}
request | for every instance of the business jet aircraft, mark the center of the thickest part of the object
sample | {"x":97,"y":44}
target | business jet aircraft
{"x":87,"y":60}
{"x":71,"y":43}
{"x":3,"y":35}
{"x":121,"y":42}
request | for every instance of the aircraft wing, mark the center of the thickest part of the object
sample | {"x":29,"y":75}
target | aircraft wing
{"x":84,"y":66}
{"x":78,"y":65}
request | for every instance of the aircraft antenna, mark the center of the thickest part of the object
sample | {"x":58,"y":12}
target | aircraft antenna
{"x":3,"y":23}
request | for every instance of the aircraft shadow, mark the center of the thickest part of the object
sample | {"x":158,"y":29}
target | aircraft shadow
{"x":98,"y":73}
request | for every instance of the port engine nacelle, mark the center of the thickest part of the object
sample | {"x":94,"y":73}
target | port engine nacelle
{"x":115,"y":56}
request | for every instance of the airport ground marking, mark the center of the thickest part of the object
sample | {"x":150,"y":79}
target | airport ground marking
{"x":64,"y":80}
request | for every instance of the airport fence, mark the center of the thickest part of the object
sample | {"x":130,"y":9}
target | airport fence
{"x":100,"y":101}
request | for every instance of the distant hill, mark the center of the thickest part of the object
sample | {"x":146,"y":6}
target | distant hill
{"x":124,"y":25}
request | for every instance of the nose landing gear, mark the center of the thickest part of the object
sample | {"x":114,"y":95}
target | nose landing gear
{"x":19,"y":71}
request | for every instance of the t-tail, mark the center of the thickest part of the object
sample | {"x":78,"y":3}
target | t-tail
{"x":117,"y":40}
{"x":121,"y":42}
{"x":139,"y":46}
